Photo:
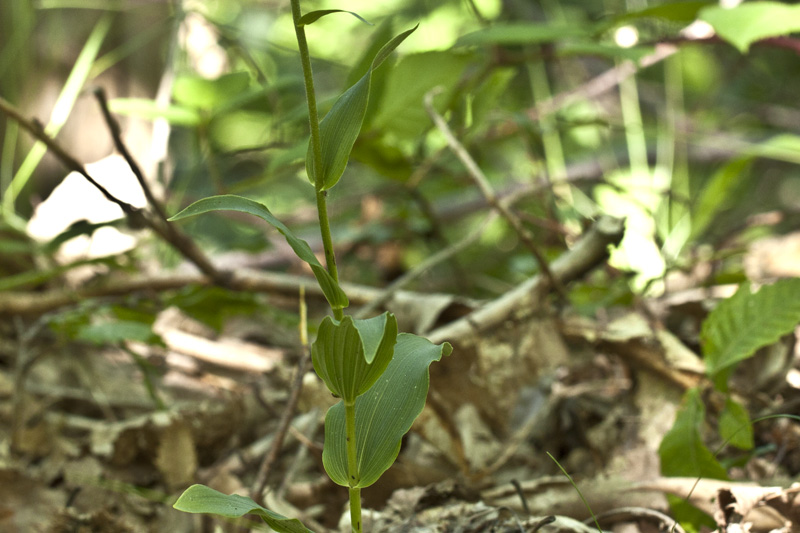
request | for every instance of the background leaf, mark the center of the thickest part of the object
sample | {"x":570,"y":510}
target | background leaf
{"x":229,"y":202}
{"x":746,"y":321}
{"x":384,"y":413}
{"x":735,"y":426}
{"x":752,"y":21}
{"x":682,"y":450}
{"x":202,"y":499}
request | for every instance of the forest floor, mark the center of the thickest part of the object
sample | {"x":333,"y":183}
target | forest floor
{"x":105,"y":436}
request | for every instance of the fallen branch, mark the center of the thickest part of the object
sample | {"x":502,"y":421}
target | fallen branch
{"x":588,"y":252}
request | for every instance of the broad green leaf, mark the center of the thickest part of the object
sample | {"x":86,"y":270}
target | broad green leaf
{"x":350,"y":356}
{"x":229,"y":202}
{"x":118,"y":331}
{"x":208,"y":95}
{"x":682,"y":450}
{"x":313,"y":16}
{"x":341,"y":126}
{"x":384,"y":413}
{"x":752,"y":21}
{"x":519,"y":33}
{"x":735,"y":426}
{"x":150,"y":110}
{"x":402,"y":112}
{"x":716,"y":193}
{"x":674,"y":11}
{"x":202,"y":499}
{"x":746,"y":321}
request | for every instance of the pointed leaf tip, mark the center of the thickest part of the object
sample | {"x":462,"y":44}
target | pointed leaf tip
{"x":341,"y":126}
{"x":230,"y":202}
{"x":313,"y":16}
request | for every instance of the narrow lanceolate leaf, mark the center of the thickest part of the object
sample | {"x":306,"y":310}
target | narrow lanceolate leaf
{"x":229,"y":202}
{"x":350,"y":356}
{"x":202,"y":499}
{"x":746,"y":321}
{"x":341,"y":126}
{"x":313,"y":16}
{"x":384,"y":413}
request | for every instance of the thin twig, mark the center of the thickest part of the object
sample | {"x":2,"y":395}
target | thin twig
{"x":169,"y":232}
{"x":137,"y":217}
{"x":601,"y":83}
{"x":479,"y":178}
{"x":35,"y":129}
{"x":288,"y":413}
{"x":116,"y":135}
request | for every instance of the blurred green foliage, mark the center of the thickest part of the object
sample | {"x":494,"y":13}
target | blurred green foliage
{"x":710,"y":141}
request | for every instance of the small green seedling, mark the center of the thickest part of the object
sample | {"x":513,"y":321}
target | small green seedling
{"x":380,"y":376}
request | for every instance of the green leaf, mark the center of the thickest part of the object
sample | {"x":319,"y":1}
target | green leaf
{"x":200,"y":93}
{"x":735,"y":426}
{"x":402,"y":112}
{"x":752,"y":21}
{"x":674,"y":11}
{"x":313,"y":16}
{"x":682,"y":450}
{"x":384,"y":413}
{"x":341,"y":126}
{"x":150,"y":110}
{"x":229,"y":202}
{"x":350,"y":356}
{"x":202,"y":499}
{"x":520,"y":33}
{"x":715,"y":195}
{"x":746,"y":321}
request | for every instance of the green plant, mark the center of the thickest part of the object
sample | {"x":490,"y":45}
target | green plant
{"x":381,"y":376}
{"x":732,"y":332}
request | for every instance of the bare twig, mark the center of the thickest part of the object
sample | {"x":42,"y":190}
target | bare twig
{"x":35,"y":129}
{"x":262,"y":478}
{"x":479,"y":178}
{"x":601,"y":83}
{"x":116,"y":134}
{"x":137,"y":217}
{"x":164,"y":229}
{"x":587,"y":253}
{"x":302,"y":368}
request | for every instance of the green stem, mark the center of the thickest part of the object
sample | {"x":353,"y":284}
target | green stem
{"x":352,"y":466}
{"x":316,"y":149}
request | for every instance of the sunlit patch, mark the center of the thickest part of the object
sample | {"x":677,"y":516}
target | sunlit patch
{"x":626,"y":36}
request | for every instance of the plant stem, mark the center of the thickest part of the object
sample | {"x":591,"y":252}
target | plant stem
{"x":316,"y":149}
{"x":330,"y":258}
{"x":352,"y":466}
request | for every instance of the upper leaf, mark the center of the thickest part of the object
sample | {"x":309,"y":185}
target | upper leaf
{"x":384,"y":414}
{"x":752,"y":21}
{"x":202,"y":499}
{"x":229,"y":202}
{"x":341,"y":126}
{"x":350,"y":356}
{"x":746,"y":321}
